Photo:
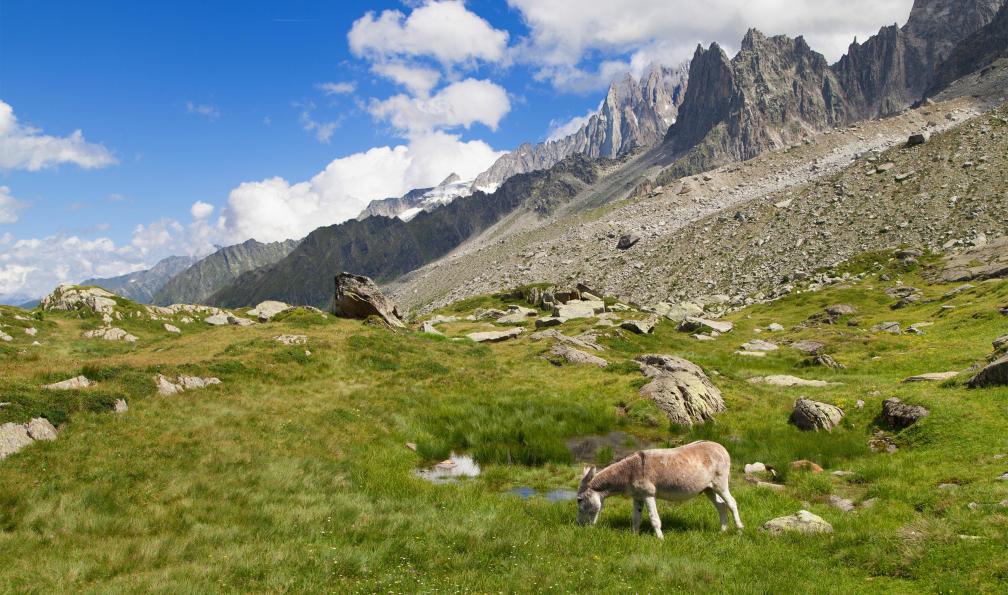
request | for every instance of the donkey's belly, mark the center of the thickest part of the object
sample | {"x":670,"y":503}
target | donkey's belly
{"x":677,"y":494}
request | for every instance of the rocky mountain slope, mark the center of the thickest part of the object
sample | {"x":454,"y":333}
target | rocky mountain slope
{"x":196,"y":283}
{"x":141,"y":286}
{"x":421,"y":199}
{"x":977,"y":52}
{"x":384,"y":248}
{"x":635,"y":114}
{"x":777,"y":90}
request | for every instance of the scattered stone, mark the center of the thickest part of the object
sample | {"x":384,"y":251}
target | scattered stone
{"x":932,"y":377}
{"x":757,"y":467}
{"x":358,"y":297}
{"x":838,"y":310}
{"x":640,"y":327}
{"x":171,"y":328}
{"x":487,"y":314}
{"x":578,"y":309}
{"x":167,"y":386}
{"x":903,"y":177}
{"x":898,"y":415}
{"x":31,"y":331}
{"x":1004,"y":477}
{"x":774,"y":327}
{"x":841,"y":503}
{"x":110,"y":334}
{"x":814,"y":416}
{"x":584,"y":341}
{"x":826,"y":361}
{"x":13,"y":437}
{"x":548,"y":322}
{"x":888,"y":327}
{"x":759,"y":345}
{"x":265,"y":311}
{"x":627,"y":241}
{"x":993,"y":374}
{"x":802,"y":522}
{"x":441,"y":319}
{"x":75,"y":383}
{"x":810,"y":347}
{"x":751,"y":353}
{"x":5,"y":337}
{"x":120,"y":406}
{"x":806,"y":465}
{"x":700,"y":337}
{"x":681,"y":389}
{"x":217,"y":320}
{"x":770,"y":486}
{"x":412,"y":446}
{"x":239,"y":321}
{"x":40,"y":428}
{"x":918,"y":139}
{"x":694,"y":324}
{"x":785,"y":380}
{"x":839,"y":473}
{"x":565,"y":353}
{"x":495,"y":336}
{"x":881,"y":169}
{"x":429,"y":328}
{"x":292,"y":339}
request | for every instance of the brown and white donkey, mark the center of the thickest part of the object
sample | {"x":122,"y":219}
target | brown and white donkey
{"x":675,"y":474}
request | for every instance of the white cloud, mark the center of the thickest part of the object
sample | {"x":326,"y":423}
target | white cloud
{"x":459,"y":104}
{"x":201,"y":210}
{"x":25,"y":147}
{"x":634,"y":33}
{"x":9,"y":206}
{"x":275,"y":209}
{"x":210,"y":112}
{"x":323,"y":131}
{"x":342,"y":88}
{"x":561,"y":128}
{"x":418,"y":79}
{"x":445,"y":31}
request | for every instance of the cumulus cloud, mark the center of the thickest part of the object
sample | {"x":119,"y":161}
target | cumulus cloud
{"x":634,"y":33}
{"x":27,"y":148}
{"x":9,"y":206}
{"x":201,"y":210}
{"x":210,"y":112}
{"x":445,"y":31}
{"x":274,"y":209}
{"x":322,"y":130}
{"x":561,"y":128}
{"x":459,"y":104}
{"x":343,"y":88}
{"x":418,"y":79}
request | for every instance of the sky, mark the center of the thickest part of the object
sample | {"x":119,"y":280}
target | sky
{"x":131,"y":131}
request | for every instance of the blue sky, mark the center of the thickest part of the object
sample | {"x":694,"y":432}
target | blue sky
{"x":207,"y":123}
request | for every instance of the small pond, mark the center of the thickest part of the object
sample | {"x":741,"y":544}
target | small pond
{"x":451,"y":469}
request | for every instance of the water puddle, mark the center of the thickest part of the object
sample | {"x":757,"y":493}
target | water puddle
{"x":559,"y":495}
{"x":605,"y":448}
{"x":451,"y":470}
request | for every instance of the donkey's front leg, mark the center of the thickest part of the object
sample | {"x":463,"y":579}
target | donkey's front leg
{"x":652,"y":511}
{"x":638,"y":504}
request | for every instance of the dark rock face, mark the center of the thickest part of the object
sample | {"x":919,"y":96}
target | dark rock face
{"x":975,"y":52}
{"x":635,"y":113}
{"x":384,"y":248}
{"x":359,"y":297}
{"x":993,"y":374}
{"x":898,"y":415}
{"x":776,"y":91}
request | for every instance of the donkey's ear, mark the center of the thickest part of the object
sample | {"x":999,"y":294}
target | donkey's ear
{"x":589,"y":474}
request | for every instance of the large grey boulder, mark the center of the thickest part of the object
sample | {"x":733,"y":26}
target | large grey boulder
{"x":70,"y":297}
{"x":75,"y":383}
{"x":693,"y":324}
{"x":578,"y":309}
{"x":627,"y":241}
{"x":358,"y":297}
{"x":898,"y":415}
{"x":265,"y":311}
{"x":220,"y":319}
{"x":931,"y":377}
{"x":993,"y":374}
{"x":168,"y":386}
{"x":802,"y":522}
{"x":680,"y":389}
{"x":565,"y":353}
{"x":640,"y":327}
{"x":13,"y":437}
{"x":41,"y":428}
{"x":812,"y":416}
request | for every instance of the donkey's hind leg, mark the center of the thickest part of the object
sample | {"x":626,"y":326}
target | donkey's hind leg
{"x":721,"y":507}
{"x":637,"y":506}
{"x":722,"y":490}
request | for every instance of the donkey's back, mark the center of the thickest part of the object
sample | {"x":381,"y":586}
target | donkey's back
{"x":682,"y":473}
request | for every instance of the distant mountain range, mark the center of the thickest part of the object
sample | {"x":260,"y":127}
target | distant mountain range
{"x":635,"y":114}
{"x":422,"y":199}
{"x":142,"y":285}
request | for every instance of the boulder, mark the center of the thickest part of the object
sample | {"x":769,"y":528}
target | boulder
{"x":564,"y":353}
{"x":759,"y":345}
{"x":291,"y":339}
{"x":785,"y":380}
{"x":75,"y":383}
{"x":578,"y":309}
{"x":811,"y":415}
{"x":495,"y":336}
{"x":167,"y":386}
{"x":932,"y":377}
{"x":681,"y":311}
{"x":1000,"y":344}
{"x":888,"y":327}
{"x":217,"y":320}
{"x":31,"y":331}
{"x":548,"y":322}
{"x":841,"y":503}
{"x":640,"y":327}
{"x":359,"y":297}
{"x":898,"y":415}
{"x":993,"y":374}
{"x":488,"y":314}
{"x":627,"y":241}
{"x":120,"y":406}
{"x":838,"y":310}
{"x":110,"y":334}
{"x":5,"y":337}
{"x":40,"y":428}
{"x":680,"y":389}
{"x":802,"y":522}
{"x":583,"y":341}
{"x":429,"y":328}
{"x":810,"y":347}
{"x":239,"y":321}
{"x":171,"y":328}
{"x":70,"y":297}
{"x":13,"y":437}
{"x":265,"y":311}
{"x":826,"y":361}
{"x":918,"y":139}
{"x":774,"y":327}
{"x":693,"y":324}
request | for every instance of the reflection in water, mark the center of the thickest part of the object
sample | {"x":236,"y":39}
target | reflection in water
{"x":525,"y":492}
{"x":450,"y":470}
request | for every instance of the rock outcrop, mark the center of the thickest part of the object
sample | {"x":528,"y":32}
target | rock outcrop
{"x":993,"y":374}
{"x":561,"y":353}
{"x":898,"y":415}
{"x":75,"y":383}
{"x":14,"y":437}
{"x":680,"y":389}
{"x":170,"y":386}
{"x":813,"y":416}
{"x":358,"y":297}
{"x":66,"y":298}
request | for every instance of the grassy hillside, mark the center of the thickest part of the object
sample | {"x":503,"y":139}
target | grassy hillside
{"x":294,"y":475}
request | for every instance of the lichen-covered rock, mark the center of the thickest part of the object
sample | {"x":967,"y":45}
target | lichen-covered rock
{"x":565,"y":353}
{"x":811,"y":415}
{"x":13,"y":437}
{"x":40,"y":428}
{"x":694,"y":324}
{"x":219,"y":319}
{"x":265,"y":311}
{"x":802,"y":522}
{"x":110,"y":334}
{"x":171,"y":328}
{"x":826,"y":361}
{"x":358,"y":297}
{"x":898,"y":415}
{"x":167,"y":386}
{"x":680,"y":389}
{"x":292,"y":339}
{"x":77,"y":382}
{"x":70,"y":297}
{"x":993,"y":374}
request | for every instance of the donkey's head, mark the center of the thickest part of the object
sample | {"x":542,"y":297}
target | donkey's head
{"x":589,"y":501}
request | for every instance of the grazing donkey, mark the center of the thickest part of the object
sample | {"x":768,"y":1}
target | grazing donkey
{"x":676,"y":474}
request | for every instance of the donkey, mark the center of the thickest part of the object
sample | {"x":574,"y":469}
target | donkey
{"x":676,"y":474}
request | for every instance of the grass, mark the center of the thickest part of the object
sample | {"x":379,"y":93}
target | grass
{"x":293,"y":474}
